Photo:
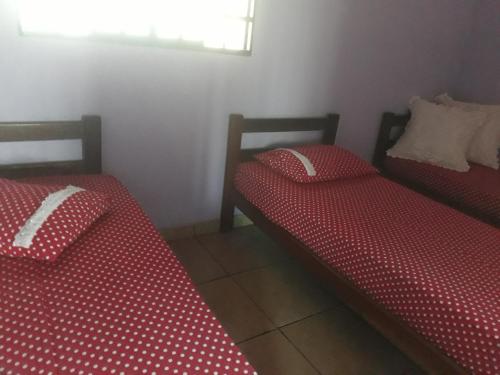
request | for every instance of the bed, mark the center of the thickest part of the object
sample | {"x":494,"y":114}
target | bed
{"x":476,"y":192}
{"x":382,"y":248}
{"x":117,"y":300}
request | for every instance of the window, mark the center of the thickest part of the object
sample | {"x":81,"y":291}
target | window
{"x":223,"y":25}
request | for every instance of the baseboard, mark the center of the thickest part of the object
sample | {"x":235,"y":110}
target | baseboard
{"x":198,"y":229}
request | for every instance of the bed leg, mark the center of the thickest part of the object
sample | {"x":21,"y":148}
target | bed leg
{"x":227,"y":217}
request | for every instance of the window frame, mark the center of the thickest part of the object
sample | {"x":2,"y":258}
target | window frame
{"x":153,"y":41}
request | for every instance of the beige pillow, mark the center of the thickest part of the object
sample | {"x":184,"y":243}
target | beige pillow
{"x":485,"y":144}
{"x":438,"y":135}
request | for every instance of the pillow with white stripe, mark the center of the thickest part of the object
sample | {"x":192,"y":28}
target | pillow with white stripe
{"x":315,"y":163}
{"x":40,"y":221}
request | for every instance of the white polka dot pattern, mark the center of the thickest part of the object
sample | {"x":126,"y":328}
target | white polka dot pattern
{"x":329,"y":163}
{"x":117,"y":301}
{"x":478,"y":189}
{"x":433,"y":267}
{"x":19,"y":201}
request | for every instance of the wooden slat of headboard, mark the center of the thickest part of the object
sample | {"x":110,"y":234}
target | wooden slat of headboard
{"x":277,"y":125}
{"x":88,"y":129}
{"x":42,"y":169}
{"x":40,"y":131}
{"x":247,"y":154}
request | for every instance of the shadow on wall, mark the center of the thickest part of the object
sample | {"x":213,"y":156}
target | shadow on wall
{"x":388,"y":51}
{"x":479,"y":78}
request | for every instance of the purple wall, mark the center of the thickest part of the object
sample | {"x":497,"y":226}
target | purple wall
{"x":479,"y":79}
{"x":165,"y":111}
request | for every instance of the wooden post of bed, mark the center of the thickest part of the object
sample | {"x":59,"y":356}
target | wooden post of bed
{"x":91,"y":144}
{"x":386,"y":139}
{"x":232,"y":160}
{"x":239,"y":125}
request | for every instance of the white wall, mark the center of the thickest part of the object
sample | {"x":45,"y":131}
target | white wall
{"x":165,"y":111}
{"x":479,"y":78}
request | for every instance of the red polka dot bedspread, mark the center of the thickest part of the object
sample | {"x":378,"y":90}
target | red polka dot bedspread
{"x":117,"y":301}
{"x":432,"y":266}
{"x":477,"y":190}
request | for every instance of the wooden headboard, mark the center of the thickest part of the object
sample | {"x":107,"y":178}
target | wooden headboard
{"x":88,"y":130}
{"x":238,"y":125}
{"x":391,"y":128}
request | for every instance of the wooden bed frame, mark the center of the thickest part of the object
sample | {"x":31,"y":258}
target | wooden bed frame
{"x":392,"y":127}
{"x":398,"y":332}
{"x":88,"y":130}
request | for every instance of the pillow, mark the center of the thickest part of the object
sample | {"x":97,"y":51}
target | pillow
{"x":438,"y":135}
{"x":40,"y":221}
{"x":315,"y":163}
{"x":485,"y":144}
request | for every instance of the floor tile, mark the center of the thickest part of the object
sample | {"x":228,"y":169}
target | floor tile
{"x":172,"y":234}
{"x":338,"y":342}
{"x":238,"y":314}
{"x":285,"y":293}
{"x":198,"y":262}
{"x":243,"y":249}
{"x":273,"y":354}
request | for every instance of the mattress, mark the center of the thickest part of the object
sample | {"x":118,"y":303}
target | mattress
{"x":116,"y":301}
{"x":432,"y":266}
{"x":477,"y":190}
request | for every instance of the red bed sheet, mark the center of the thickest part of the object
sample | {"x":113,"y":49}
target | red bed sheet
{"x":433,"y":267}
{"x":117,"y":301}
{"x":477,"y":190}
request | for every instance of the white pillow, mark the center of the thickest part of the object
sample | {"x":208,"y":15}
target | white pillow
{"x":438,"y":135}
{"x":486,"y":143}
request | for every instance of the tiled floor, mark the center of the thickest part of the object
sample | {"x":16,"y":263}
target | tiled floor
{"x":281,"y":318}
